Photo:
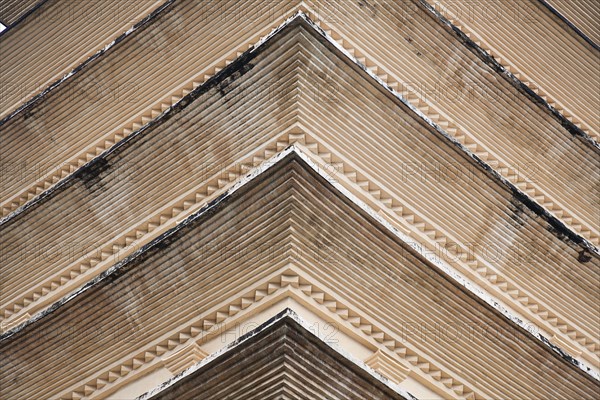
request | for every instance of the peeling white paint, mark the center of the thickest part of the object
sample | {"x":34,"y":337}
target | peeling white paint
{"x":287,"y":313}
{"x":446,"y":268}
{"x":57,"y":83}
{"x":265,"y":166}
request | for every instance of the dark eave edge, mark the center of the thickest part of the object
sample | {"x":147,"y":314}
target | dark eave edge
{"x":560,"y":230}
{"x":449,"y":272}
{"x":558,"y":227}
{"x":512,"y":79}
{"x":100,"y":162}
{"x":288,"y":313}
{"x":40,"y":96}
{"x":570,"y":24}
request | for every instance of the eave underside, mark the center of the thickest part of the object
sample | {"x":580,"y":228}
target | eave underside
{"x":283,"y":84}
{"x":282,"y":361}
{"x":286,"y":216}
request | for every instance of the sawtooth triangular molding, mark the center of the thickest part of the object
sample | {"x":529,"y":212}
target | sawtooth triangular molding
{"x":424,"y":231}
{"x":287,"y":281}
{"x":550,"y":326}
{"x":354,"y":379}
{"x":525,"y":184}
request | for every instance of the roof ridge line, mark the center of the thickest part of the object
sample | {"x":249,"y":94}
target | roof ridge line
{"x":448,"y":126}
{"x":400,"y":220}
{"x":286,"y":314}
{"x":523,"y":197}
{"x":242,"y":182}
{"x":179,"y":103}
{"x":184,"y":102}
{"x":40,"y":187}
{"x":151,"y":226}
{"x":452,"y":274}
{"x":287,"y":282}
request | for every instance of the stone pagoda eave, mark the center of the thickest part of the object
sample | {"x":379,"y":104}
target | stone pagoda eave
{"x":121,"y":270}
{"x":97,"y":166}
{"x":252,"y":340}
{"x":484,"y":145}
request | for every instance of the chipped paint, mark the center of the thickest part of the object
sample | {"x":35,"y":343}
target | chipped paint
{"x":453,"y":274}
{"x":292,"y":151}
{"x":240,"y":66}
{"x":555,"y":224}
{"x":288,"y":314}
{"x":511,"y":78}
{"x":156,"y":244}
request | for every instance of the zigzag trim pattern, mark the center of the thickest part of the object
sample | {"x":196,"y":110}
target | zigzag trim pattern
{"x":436,"y":237}
{"x":125,"y":244}
{"x":105,"y":143}
{"x":177,"y":210}
{"x":465,"y":138}
{"x":400,"y":214}
{"x":420,"y":103}
{"x":290,"y":281}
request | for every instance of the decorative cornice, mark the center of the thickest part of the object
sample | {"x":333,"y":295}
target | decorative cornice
{"x":136,"y":236}
{"x":107,"y":142}
{"x":325,"y":298}
{"x":431,"y":236}
{"x":469,"y":142}
{"x":184,"y":358}
{"x":418,"y":103}
{"x":394,"y":210}
{"x":389,"y":366}
{"x":169,"y":217}
{"x":182,"y":350}
{"x":287,"y":283}
{"x":299,"y":328}
{"x":523,"y":77}
{"x":145,"y":17}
